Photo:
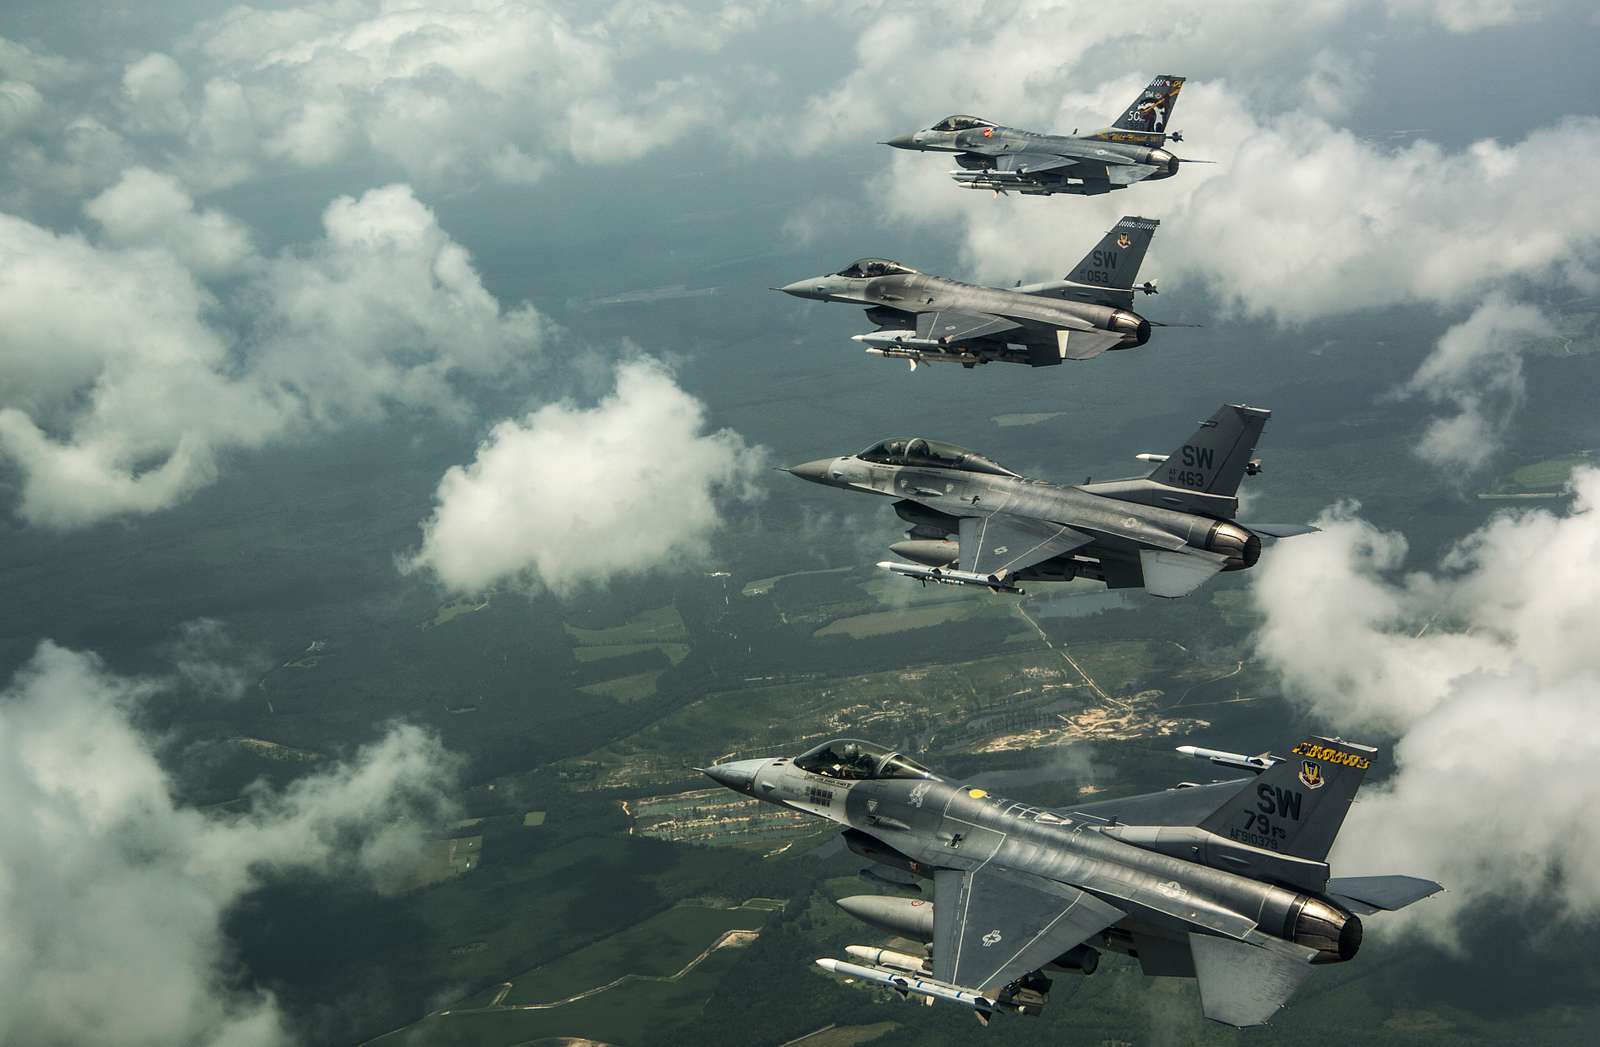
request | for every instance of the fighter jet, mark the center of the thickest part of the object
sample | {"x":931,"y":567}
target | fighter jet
{"x":989,"y":156}
{"x":931,"y":319}
{"x":1227,"y":883}
{"x":974,"y":522}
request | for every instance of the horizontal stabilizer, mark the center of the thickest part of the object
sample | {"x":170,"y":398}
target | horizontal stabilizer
{"x":1173,"y":574}
{"x":1280,"y":530}
{"x":1365,"y":895}
{"x":1243,"y":984}
{"x":1035,"y":163}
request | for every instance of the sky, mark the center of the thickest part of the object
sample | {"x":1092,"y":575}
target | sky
{"x":231,"y":229}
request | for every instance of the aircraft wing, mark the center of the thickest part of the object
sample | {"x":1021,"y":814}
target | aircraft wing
{"x":1173,"y":574}
{"x":993,"y":925}
{"x":1188,"y":806}
{"x":1001,"y":542}
{"x":1099,"y":158}
{"x":952,"y":326}
{"x":1243,"y":984}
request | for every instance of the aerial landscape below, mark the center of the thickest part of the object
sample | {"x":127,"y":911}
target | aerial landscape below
{"x":417,"y":632}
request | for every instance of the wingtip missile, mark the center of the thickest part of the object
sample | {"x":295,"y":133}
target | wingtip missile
{"x":943,"y":576}
{"x":908,"y":984}
{"x":1227,"y":759}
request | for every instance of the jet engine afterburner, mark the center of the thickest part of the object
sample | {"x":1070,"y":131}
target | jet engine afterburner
{"x":1241,"y":547}
{"x":1323,"y":926}
{"x":1131,"y":323}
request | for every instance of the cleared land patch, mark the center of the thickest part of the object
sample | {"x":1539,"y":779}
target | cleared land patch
{"x":718,"y":817}
{"x":882,"y":623}
{"x":633,"y":688}
{"x":655,"y":626}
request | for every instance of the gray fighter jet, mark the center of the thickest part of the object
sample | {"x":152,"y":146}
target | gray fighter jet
{"x":931,"y":319}
{"x":1226,"y":883}
{"x":989,"y":156}
{"x":974,"y":522}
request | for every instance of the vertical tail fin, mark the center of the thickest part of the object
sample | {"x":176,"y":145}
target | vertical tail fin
{"x":1297,"y":805}
{"x":1217,"y":456}
{"x":1146,"y":120}
{"x":1115,"y":260}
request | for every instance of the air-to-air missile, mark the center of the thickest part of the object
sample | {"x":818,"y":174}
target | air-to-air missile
{"x":1225,"y":882}
{"x":932,"y":319}
{"x":974,"y":522}
{"x":1005,"y":159}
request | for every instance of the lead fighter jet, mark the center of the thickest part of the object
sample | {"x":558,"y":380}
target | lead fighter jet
{"x":930,"y":319}
{"x":989,"y":156}
{"x":1226,"y":883}
{"x":974,"y":522}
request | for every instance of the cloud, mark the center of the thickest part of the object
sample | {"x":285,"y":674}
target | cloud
{"x":155,"y":90}
{"x":1298,"y":218}
{"x":1469,"y":16}
{"x":147,"y":209}
{"x":113,"y":893}
{"x":385,"y":310}
{"x":210,"y":663}
{"x":570,"y":496}
{"x":1486,"y":669}
{"x":20,"y":104}
{"x":123,"y":377}
{"x":115,"y":391}
{"x":443,"y":90}
{"x":1282,"y":227}
{"x":1476,"y":367}
{"x":37,"y":66}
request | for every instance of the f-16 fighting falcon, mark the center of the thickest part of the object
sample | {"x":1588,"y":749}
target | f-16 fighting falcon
{"x":989,"y":156}
{"x":1226,"y":883}
{"x":974,"y":522}
{"x":931,"y":319}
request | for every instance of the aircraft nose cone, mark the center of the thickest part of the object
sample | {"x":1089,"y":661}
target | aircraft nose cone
{"x":800,"y":289}
{"x":738,"y":775}
{"x":902,"y":141}
{"x":816,"y":472}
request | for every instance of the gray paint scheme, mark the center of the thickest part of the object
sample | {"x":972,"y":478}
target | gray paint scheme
{"x":932,"y":319}
{"x":974,"y":522}
{"x":1017,"y":888}
{"x":1008,"y":159}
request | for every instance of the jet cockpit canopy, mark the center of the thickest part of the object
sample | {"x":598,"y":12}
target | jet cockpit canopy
{"x":864,"y":268}
{"x":961,"y":123}
{"x":854,"y":760}
{"x":935,"y":453}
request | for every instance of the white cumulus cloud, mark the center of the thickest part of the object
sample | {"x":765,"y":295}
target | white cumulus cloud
{"x":1486,"y":669}
{"x":1476,"y":367}
{"x":113,"y":893}
{"x":572,"y":495}
{"x":123,"y":376}
{"x":146,"y":209}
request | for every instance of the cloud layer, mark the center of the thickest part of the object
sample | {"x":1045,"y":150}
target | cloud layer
{"x":113,"y":894}
{"x":124,"y":375}
{"x":1486,"y":668}
{"x":572,"y":495}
